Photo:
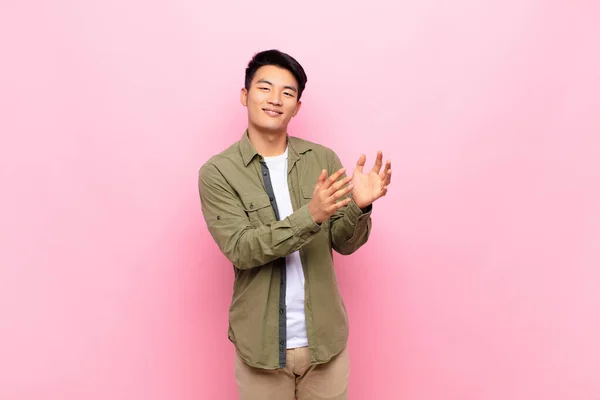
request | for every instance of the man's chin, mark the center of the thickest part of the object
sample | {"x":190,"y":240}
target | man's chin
{"x":270,"y":128}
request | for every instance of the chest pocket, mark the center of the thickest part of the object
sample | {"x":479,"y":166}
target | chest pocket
{"x":307,"y":194}
{"x":258,"y":208}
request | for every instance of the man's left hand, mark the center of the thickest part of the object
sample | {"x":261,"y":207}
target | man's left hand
{"x":370,"y":186}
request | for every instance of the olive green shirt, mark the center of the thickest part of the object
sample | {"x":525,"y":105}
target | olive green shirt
{"x":240,"y":211}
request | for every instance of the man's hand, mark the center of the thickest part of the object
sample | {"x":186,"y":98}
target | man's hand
{"x":372,"y":185}
{"x":324,"y":202}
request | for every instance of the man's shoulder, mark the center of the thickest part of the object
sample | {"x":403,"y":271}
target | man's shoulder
{"x":227,"y":156}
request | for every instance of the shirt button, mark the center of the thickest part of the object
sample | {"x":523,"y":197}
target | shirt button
{"x":281,"y":342}
{"x":281,"y":311}
{"x":271,"y":198}
{"x":251,"y":206}
{"x":265,"y":173}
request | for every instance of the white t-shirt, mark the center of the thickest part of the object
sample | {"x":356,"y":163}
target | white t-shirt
{"x":294,"y":292}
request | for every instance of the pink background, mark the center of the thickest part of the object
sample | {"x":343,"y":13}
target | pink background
{"x":482,"y":276}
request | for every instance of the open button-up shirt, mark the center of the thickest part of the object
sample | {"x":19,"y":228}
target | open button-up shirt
{"x":241,"y":214}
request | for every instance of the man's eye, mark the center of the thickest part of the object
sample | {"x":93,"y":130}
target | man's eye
{"x":288,"y":94}
{"x":263,"y":88}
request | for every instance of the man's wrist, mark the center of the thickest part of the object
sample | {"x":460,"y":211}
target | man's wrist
{"x":364,"y":207}
{"x":310,"y":212}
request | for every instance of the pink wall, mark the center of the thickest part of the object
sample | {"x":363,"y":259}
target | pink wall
{"x":481,"y":280}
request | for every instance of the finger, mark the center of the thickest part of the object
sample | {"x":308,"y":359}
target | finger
{"x":334,"y":177}
{"x":361,"y":163}
{"x":388,"y":166}
{"x":342,"y":192}
{"x":336,"y":186}
{"x":387,"y":179}
{"x":320,"y":181}
{"x":378,"y":162}
{"x":337,"y":205}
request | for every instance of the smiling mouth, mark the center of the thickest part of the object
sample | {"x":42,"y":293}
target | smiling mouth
{"x":272,"y":113}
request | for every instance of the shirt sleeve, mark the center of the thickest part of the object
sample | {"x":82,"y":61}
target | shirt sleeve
{"x":247,"y":246}
{"x":350,"y":225}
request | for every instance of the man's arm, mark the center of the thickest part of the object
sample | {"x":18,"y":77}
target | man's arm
{"x":246,"y":246}
{"x":350,"y":226}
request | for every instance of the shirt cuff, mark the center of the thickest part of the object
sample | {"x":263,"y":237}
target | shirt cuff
{"x":303,"y":223}
{"x":356,"y":213}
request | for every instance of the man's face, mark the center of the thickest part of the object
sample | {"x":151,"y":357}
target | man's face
{"x":272,"y":99}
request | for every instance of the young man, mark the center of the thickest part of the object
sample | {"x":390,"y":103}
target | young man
{"x":276,"y":206}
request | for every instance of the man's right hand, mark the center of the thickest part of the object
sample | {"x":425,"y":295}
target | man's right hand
{"x":326,"y":194}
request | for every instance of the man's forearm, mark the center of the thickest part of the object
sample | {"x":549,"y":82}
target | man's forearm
{"x":350,"y":229}
{"x":245,"y":245}
{"x":249,"y":247}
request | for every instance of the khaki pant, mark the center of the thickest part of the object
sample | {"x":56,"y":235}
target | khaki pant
{"x":299,"y":378}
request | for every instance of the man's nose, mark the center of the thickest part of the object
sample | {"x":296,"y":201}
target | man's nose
{"x":275,"y":98}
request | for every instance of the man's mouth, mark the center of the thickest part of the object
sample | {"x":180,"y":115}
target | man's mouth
{"x":272,"y":113}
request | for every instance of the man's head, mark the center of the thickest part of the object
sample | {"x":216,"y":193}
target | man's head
{"x":272,"y":90}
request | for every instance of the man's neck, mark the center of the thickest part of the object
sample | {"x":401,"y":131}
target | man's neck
{"x":268,"y":144}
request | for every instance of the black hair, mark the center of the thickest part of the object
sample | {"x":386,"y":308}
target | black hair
{"x":279,"y":59}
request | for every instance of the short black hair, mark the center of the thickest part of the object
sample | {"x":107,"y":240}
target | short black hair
{"x":279,"y":59}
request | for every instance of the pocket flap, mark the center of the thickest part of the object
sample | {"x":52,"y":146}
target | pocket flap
{"x":253,"y":202}
{"x":307,"y":191}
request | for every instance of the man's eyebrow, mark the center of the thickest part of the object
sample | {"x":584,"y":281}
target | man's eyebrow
{"x":290,"y":87}
{"x":264,"y":81}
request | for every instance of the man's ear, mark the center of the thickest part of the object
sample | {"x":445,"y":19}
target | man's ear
{"x":298,"y":105}
{"x":244,"y":97}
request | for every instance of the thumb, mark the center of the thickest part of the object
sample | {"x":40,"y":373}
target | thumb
{"x":361,"y":163}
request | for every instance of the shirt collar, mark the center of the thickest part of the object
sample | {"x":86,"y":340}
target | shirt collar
{"x":295,"y":148}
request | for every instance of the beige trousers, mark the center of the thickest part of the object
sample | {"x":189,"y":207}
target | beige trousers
{"x":299,"y":378}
